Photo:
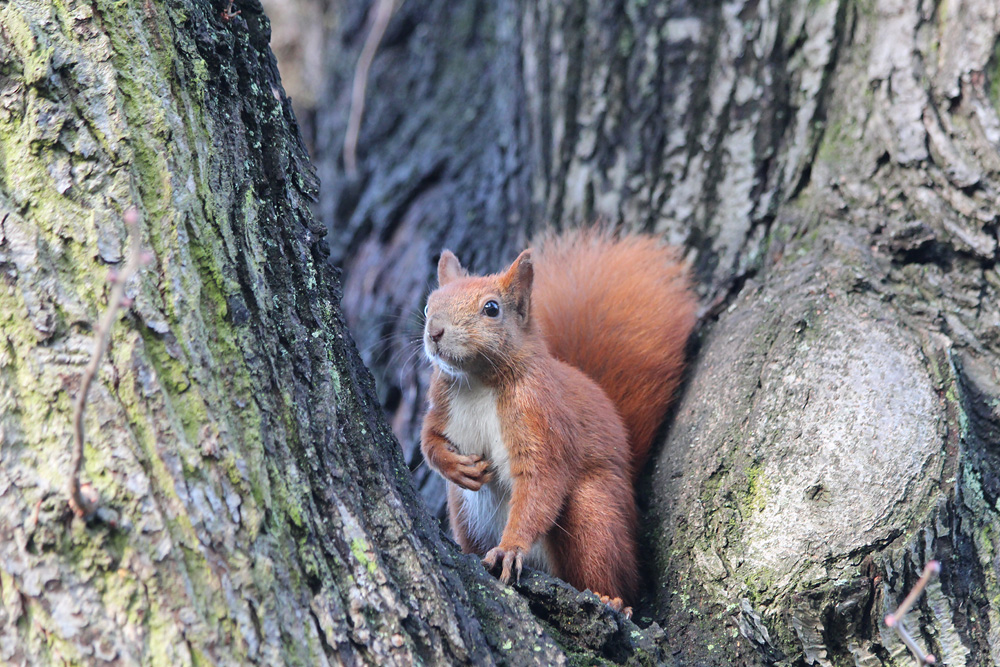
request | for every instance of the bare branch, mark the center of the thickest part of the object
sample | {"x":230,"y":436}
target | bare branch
{"x":895,"y":619}
{"x":83,"y":498}
{"x":383,"y":11}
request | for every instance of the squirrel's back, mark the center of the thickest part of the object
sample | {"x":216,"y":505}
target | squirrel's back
{"x":620,"y":310}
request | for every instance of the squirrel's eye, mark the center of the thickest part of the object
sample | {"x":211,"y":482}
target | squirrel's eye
{"x":491,"y":308}
{"x":425,"y":312}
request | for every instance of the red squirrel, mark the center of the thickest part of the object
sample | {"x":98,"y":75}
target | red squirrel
{"x":551,"y":379}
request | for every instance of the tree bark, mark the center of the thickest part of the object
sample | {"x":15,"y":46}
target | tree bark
{"x":832,"y":170}
{"x":255,"y":508}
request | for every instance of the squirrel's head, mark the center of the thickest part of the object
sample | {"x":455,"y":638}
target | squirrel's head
{"x":475,"y":325}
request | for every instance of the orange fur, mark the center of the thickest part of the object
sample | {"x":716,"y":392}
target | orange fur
{"x":621,"y":311}
{"x":551,"y":380}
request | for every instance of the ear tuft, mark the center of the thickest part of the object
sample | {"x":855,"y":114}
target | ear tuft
{"x":517,"y":281}
{"x":449,"y":268}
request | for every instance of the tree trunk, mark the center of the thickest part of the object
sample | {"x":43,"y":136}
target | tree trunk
{"x":833,"y":170}
{"x":255,"y":508}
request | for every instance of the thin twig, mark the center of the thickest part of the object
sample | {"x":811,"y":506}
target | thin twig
{"x":82,"y":498}
{"x":932,"y":568}
{"x":383,"y":11}
{"x":918,"y":653}
{"x":895,"y":619}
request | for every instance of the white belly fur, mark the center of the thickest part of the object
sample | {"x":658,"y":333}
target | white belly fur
{"x":474,"y":428}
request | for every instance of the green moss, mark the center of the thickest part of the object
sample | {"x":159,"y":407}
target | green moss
{"x":942,"y":12}
{"x":58,"y":650}
{"x":161,"y":635}
{"x":757,"y":487}
{"x":121,"y":592}
{"x":361,"y":551}
{"x":171,"y":372}
{"x":198,"y":658}
{"x":758,"y":584}
{"x":835,"y":147}
{"x":36,"y":58}
{"x":283,"y":498}
{"x":134,"y":123}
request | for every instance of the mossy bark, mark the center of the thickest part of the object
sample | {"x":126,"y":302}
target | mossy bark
{"x":833,"y":170}
{"x":255,"y":507}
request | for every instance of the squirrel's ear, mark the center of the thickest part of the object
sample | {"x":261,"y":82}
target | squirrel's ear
{"x":517,"y":282}
{"x":449,"y":268}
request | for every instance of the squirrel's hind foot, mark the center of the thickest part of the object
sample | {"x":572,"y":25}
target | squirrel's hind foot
{"x":616,"y":604}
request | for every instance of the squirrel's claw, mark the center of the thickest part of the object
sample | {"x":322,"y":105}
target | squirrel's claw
{"x":616,"y":604}
{"x":511,"y":558}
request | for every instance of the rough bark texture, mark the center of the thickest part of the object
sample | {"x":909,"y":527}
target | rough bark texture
{"x":255,"y":506}
{"x":840,"y":428}
{"x":833,"y":170}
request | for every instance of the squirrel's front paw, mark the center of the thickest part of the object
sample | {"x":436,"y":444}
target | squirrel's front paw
{"x":510,"y":557}
{"x":469,"y":472}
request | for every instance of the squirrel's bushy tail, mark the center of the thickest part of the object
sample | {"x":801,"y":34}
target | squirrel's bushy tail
{"x":620,"y":310}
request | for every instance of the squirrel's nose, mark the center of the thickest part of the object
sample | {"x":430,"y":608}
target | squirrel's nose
{"x":436,"y":333}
